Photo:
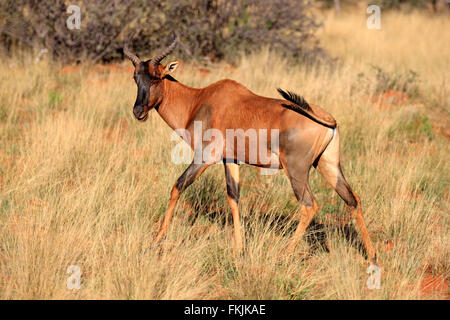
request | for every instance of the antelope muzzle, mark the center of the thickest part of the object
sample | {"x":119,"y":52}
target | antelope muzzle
{"x":141,"y":113}
{"x":141,"y":109}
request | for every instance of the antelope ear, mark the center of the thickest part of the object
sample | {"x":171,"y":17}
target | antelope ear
{"x":171,"y":66}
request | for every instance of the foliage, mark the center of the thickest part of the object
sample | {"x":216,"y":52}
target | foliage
{"x":406,"y":82}
{"x":208,"y":28}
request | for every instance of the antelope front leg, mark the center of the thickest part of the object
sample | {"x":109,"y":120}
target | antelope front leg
{"x":232,"y":178}
{"x":184,"y":181}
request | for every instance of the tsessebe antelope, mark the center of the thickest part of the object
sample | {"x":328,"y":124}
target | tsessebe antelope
{"x":308,"y":136}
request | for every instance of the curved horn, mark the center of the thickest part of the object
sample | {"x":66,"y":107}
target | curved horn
{"x":134,"y":58}
{"x":156,"y":60}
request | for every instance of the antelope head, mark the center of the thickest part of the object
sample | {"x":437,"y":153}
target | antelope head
{"x":148,"y":76}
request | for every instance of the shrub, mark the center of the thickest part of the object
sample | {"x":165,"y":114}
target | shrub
{"x":405,"y":82}
{"x":207,"y":28}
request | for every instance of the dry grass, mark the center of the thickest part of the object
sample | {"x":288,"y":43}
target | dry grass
{"x":83,"y":183}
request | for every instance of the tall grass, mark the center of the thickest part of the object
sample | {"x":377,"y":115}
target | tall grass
{"x":83,"y":183}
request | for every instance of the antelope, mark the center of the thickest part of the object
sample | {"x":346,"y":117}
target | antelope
{"x":308,"y":137}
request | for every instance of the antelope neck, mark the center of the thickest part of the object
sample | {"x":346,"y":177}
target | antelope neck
{"x":177,"y":103}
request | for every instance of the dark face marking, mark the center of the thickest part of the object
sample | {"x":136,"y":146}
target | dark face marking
{"x":143,"y":80}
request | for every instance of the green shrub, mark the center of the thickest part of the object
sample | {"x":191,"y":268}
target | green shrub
{"x":414,"y":128}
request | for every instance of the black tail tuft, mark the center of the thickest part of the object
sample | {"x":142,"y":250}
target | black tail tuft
{"x":299,"y":101}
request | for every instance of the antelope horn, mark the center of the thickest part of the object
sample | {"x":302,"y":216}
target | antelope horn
{"x":157,"y":59}
{"x":134,"y":58}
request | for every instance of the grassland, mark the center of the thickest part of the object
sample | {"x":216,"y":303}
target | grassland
{"x":83,"y":183}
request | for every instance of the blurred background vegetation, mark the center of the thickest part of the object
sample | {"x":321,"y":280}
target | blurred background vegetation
{"x":209,"y":29}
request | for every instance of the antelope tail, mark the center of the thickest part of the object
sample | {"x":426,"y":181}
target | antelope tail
{"x":299,"y":105}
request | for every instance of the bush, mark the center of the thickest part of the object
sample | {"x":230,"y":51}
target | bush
{"x":406,"y":82}
{"x":207,"y":28}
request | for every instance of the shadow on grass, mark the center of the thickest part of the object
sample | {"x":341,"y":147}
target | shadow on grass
{"x":207,"y":202}
{"x":316,"y":234}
